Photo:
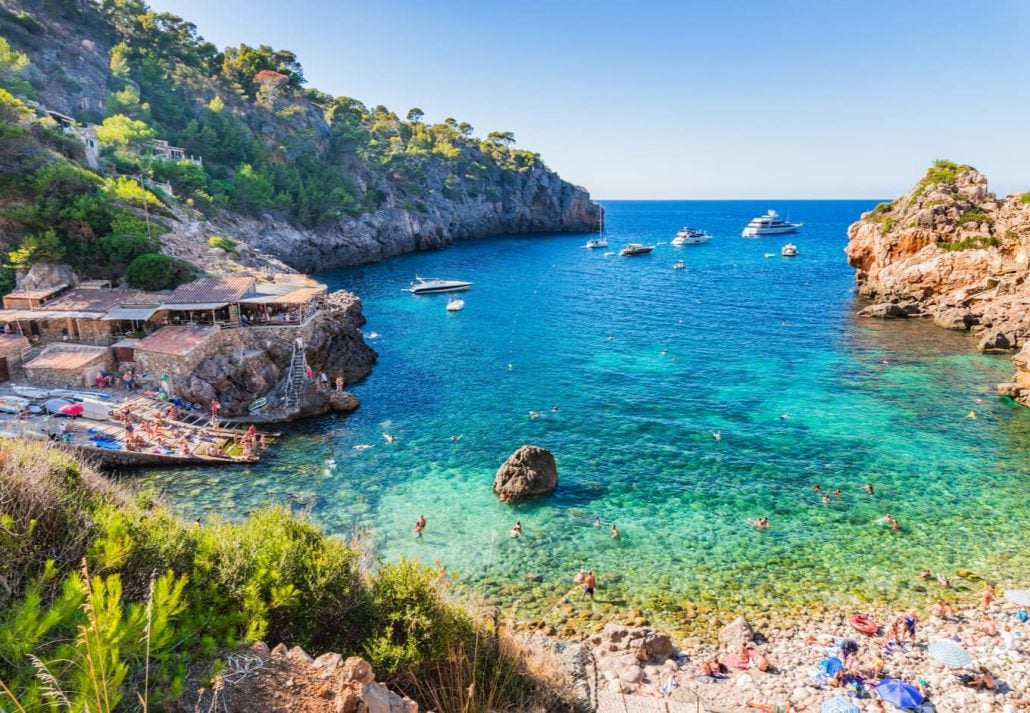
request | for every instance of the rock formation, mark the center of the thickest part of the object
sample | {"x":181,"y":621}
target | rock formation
{"x":285,"y":680}
{"x":529,"y":471}
{"x":951,"y":251}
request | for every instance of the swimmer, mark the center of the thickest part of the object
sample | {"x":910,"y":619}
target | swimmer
{"x":817,"y":488}
{"x":868,"y":487}
{"x":925,"y":574}
{"x":555,"y":407}
{"x":717,"y":435}
{"x":837,"y":492}
{"x":390,"y":438}
{"x":533,"y":415}
{"x":597,"y":522}
{"x":664,"y":352}
{"x":614,"y":532}
{"x":362,"y":447}
{"x":971,"y":414}
{"x":420,"y":525}
{"x":455,"y":439}
{"x":826,"y":499}
{"x":761,"y":523}
{"x":516,"y":529}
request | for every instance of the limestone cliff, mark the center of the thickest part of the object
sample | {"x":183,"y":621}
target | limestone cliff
{"x":949,"y":249}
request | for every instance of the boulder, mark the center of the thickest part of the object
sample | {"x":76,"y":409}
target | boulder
{"x":46,"y":275}
{"x":528,"y":471}
{"x":884,"y":310}
{"x":735,"y":633}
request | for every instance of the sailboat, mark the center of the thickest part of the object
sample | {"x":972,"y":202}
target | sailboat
{"x":600,"y":241}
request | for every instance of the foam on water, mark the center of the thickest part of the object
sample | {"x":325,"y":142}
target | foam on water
{"x":645,"y":362}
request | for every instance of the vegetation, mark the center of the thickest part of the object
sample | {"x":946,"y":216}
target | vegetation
{"x":108,"y":596}
{"x":942,"y":172}
{"x":157,"y":271}
{"x":226,"y":244}
{"x":976,"y":242}
{"x":974,"y":215}
{"x":1024,"y":198}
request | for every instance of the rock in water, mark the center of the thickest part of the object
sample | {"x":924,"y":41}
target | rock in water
{"x":528,"y":471}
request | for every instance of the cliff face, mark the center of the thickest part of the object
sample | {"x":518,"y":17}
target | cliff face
{"x":949,"y":249}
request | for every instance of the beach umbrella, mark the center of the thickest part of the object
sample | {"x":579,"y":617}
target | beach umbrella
{"x":71,"y":410}
{"x":839,"y":704}
{"x":1018,"y":596}
{"x":830,"y":666}
{"x":55,"y":405}
{"x":949,"y":653}
{"x":898,"y":693}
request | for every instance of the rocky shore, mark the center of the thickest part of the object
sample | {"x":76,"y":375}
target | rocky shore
{"x":951,"y":251}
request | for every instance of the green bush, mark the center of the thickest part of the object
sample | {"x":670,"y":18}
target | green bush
{"x":974,"y":243}
{"x":226,"y":244}
{"x":1025,"y":198}
{"x":156,"y":271}
{"x":974,"y":215}
{"x":941,"y":172}
{"x":42,"y":247}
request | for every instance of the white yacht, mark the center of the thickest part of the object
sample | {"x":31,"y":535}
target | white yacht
{"x":456,"y":305}
{"x":430,"y":285}
{"x":596,"y":243}
{"x":690,"y":236}
{"x":789,"y":250}
{"x":769,"y":224}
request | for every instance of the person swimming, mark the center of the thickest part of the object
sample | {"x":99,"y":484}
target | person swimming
{"x":836,"y":492}
{"x":868,"y":487}
{"x":597,"y":522}
{"x":516,"y":529}
{"x":420,"y":525}
{"x":614,"y":532}
{"x":760,"y":523}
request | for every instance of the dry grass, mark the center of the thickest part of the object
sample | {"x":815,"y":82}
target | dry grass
{"x":41,"y":517}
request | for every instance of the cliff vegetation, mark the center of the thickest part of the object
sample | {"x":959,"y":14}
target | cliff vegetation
{"x":109,"y":602}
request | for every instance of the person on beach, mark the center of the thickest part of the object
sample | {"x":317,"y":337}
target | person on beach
{"x":420,"y":525}
{"x":516,"y":529}
{"x":877,"y":668}
{"x":941,"y":610}
{"x":589,"y":584}
{"x":339,"y":383}
{"x":909,"y":622}
{"x":614,"y":532}
{"x":943,"y":581}
{"x":787,"y":707}
{"x":987,"y":595}
{"x":215,"y":408}
{"x":982,"y":681}
{"x":323,"y":380}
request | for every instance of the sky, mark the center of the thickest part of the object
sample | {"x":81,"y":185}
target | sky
{"x":682,"y":100}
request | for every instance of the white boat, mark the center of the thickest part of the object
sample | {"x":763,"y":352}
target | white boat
{"x":430,"y":285}
{"x":690,"y":236}
{"x":789,"y":250}
{"x":679,"y":265}
{"x":456,"y":305}
{"x":13,"y":404}
{"x":636,"y":249}
{"x":600,"y":241}
{"x":31,"y":392}
{"x":95,"y":410}
{"x":769,"y":224}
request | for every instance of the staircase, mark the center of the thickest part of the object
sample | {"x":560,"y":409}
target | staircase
{"x":296,"y":378}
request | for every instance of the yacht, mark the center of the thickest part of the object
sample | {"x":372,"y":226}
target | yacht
{"x":769,"y":224}
{"x":596,"y":243}
{"x":789,"y":250}
{"x":690,"y":236}
{"x":430,"y":285}
{"x":456,"y":305}
{"x":636,"y":249}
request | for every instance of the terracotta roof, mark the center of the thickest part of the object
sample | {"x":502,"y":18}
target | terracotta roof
{"x":67,"y":357}
{"x":36,"y":294}
{"x":212,"y":289}
{"x":176,"y":340}
{"x":91,"y":300}
{"x":12,"y":342}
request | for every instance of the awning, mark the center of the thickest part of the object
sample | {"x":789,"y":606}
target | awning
{"x":12,"y":315}
{"x":135,"y":314}
{"x":297,"y":296}
{"x":194,"y":307}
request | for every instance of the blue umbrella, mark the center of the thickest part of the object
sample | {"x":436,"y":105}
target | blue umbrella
{"x":839,"y":704}
{"x":899,"y":693}
{"x":830,"y":666}
{"x":949,"y":653}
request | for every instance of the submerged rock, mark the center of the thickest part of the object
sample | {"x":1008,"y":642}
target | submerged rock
{"x":529,"y":471}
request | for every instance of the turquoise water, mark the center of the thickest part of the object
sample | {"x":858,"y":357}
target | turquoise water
{"x":644,"y":363}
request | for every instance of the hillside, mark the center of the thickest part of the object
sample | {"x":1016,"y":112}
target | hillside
{"x":949,"y":249}
{"x":281,"y":168}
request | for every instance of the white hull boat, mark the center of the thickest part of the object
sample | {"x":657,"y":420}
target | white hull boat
{"x":769,"y":224}
{"x":13,"y":404}
{"x":431,"y":285}
{"x":456,"y":305}
{"x":789,"y":250}
{"x":690,"y":236}
{"x":596,"y":243}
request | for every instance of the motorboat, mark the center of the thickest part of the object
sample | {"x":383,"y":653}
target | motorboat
{"x":690,"y":236}
{"x":13,"y":404}
{"x":769,"y":224}
{"x":789,"y":250}
{"x":456,"y":305}
{"x":432,"y":285}
{"x":636,"y":249}
{"x":679,"y":265}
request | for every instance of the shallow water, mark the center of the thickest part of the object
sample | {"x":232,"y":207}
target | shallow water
{"x":645,"y":362}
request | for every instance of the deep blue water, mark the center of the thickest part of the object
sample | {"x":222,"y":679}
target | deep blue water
{"x":644,"y":363}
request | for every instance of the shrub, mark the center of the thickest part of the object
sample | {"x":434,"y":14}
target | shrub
{"x":1025,"y":198}
{"x":226,"y":244}
{"x":974,"y":243}
{"x":941,"y":172}
{"x":156,"y":271}
{"x":974,"y":215}
{"x":42,"y":247}
{"x":128,"y":190}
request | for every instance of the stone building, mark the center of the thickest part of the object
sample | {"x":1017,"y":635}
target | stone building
{"x":71,"y":366}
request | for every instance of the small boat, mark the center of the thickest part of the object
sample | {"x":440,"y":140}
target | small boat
{"x":456,"y":305}
{"x":679,"y":265}
{"x":31,"y":392}
{"x":636,"y":249}
{"x":789,"y":250}
{"x":769,"y":224}
{"x":600,"y":241}
{"x":13,"y":404}
{"x":432,"y":285}
{"x":690,"y":236}
{"x":863,"y":623}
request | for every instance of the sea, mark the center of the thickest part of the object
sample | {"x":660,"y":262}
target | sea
{"x":680,"y":404}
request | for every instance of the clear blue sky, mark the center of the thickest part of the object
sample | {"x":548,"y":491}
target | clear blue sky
{"x":715,"y":99}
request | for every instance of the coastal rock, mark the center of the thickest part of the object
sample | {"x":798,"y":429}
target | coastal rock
{"x":951,"y":250}
{"x":529,"y":471}
{"x":1019,"y":388}
{"x":736,"y":633}
{"x":46,"y":275}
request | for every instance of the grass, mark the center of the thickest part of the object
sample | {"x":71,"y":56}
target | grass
{"x":1025,"y":198}
{"x":974,"y":215}
{"x":977,"y":242}
{"x":940,"y":172}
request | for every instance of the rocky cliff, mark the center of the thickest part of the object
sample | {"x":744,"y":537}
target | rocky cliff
{"x":950,"y":250}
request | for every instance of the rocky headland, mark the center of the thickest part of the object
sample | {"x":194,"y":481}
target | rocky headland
{"x":952,"y":251}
